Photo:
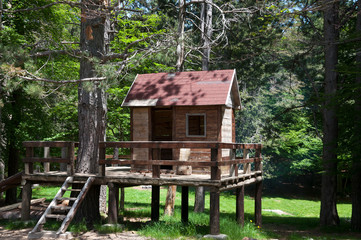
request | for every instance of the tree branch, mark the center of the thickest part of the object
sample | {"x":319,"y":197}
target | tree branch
{"x":70,"y":3}
{"x":36,"y":79}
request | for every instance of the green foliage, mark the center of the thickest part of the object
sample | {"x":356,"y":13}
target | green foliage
{"x":118,"y":118}
{"x":135,"y":31}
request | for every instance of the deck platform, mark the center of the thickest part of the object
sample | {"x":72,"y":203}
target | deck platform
{"x":123,"y":177}
{"x":241,"y":170}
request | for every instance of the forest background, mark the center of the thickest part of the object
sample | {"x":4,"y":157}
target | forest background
{"x":297,"y":62}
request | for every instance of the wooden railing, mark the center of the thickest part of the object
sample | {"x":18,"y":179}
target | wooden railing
{"x":215,"y":162}
{"x":67,"y":158}
{"x":215,"y":159}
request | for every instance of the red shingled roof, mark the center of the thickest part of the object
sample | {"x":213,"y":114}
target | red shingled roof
{"x":184,"y":89}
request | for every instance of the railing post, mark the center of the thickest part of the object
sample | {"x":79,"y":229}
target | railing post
{"x":102,"y":157}
{"x":258,"y":191}
{"x":155,"y":168}
{"x":29,"y":165}
{"x":46,"y":155}
{"x":246,"y":166}
{"x":64,"y":154}
{"x":70,"y":165}
{"x":215,"y":170}
{"x":233,"y":171}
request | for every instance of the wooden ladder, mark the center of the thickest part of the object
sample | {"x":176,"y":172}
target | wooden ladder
{"x":61,"y":212}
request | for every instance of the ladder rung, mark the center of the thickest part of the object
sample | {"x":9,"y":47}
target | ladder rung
{"x":75,"y":182}
{"x":66,"y":198}
{"x":56,"y":216}
{"x":61,"y":208}
{"x":72,"y":189}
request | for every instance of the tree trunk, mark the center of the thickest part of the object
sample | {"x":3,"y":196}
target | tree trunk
{"x":328,"y":214}
{"x":13,"y":151}
{"x":171,"y":193}
{"x":356,"y":163}
{"x":206,"y":28}
{"x":170,"y":200}
{"x":91,"y":105}
{"x":180,"y":43}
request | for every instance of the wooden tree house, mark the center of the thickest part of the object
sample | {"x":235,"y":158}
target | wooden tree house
{"x":183,"y":106}
{"x":183,"y":133}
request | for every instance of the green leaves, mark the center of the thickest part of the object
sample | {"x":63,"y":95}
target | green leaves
{"x":135,"y":31}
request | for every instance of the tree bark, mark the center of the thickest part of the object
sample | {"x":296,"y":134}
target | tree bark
{"x":356,"y":163}
{"x":13,"y":151}
{"x":328,"y":214}
{"x":170,"y":200}
{"x":91,"y":105}
{"x":206,"y":28}
{"x":180,"y":43}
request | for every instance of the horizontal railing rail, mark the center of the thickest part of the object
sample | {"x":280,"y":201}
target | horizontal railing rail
{"x":68,"y":158}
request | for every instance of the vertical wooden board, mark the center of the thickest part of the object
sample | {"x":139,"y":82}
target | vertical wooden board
{"x":140,"y":124}
{"x":140,"y":132}
{"x":226,"y":129}
{"x":233,"y":126}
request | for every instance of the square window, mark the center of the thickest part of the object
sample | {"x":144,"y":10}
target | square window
{"x":196,"y":125}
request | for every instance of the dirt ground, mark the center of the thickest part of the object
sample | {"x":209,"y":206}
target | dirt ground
{"x":91,"y":235}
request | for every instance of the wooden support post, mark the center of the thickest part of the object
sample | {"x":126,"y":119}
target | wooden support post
{"x":25,"y":204}
{"x":112,"y":203}
{"x":246,"y":166}
{"x":46,"y":155}
{"x":71,"y":153}
{"x":121,"y":207}
{"x":233,"y":170}
{"x":258,"y":193}
{"x":215,"y":171}
{"x":28,"y":167}
{"x":185,"y":203}
{"x":64,"y":154}
{"x":155,"y":203}
{"x":214,"y":212}
{"x":240,"y":205}
{"x":102,"y":156}
{"x":156,"y":168}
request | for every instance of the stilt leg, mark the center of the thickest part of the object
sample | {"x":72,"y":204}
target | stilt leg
{"x":112,"y":204}
{"x":155,"y":203}
{"x":25,"y":204}
{"x":240,"y":205}
{"x":214,"y":213}
{"x":185,"y":204}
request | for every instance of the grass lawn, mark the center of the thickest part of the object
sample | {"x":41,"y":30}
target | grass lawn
{"x":283,"y":218}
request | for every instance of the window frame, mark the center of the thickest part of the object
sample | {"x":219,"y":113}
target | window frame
{"x":204,"y":122}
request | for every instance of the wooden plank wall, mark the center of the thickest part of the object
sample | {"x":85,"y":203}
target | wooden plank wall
{"x":141,"y":132}
{"x":212,"y":132}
